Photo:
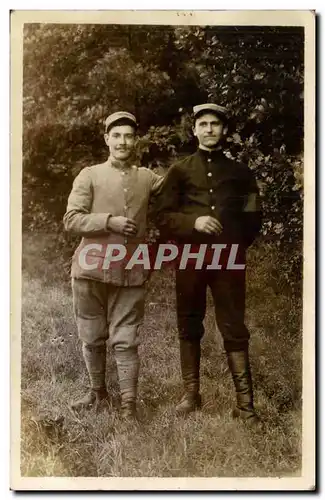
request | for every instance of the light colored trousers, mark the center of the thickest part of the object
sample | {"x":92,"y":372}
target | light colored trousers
{"x":108,"y":312}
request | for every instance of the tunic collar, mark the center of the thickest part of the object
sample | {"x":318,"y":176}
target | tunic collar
{"x":214,"y":155}
{"x":120,"y":165}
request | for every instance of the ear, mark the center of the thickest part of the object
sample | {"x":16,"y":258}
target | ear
{"x":194,"y":131}
{"x":106,"y":139}
{"x":225,"y":130}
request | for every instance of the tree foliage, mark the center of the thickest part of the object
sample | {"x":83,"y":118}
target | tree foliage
{"x":75,"y":75}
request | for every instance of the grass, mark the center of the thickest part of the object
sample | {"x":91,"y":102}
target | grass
{"x":209,"y":443}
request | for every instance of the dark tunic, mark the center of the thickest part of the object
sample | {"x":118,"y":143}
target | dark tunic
{"x":208,"y":183}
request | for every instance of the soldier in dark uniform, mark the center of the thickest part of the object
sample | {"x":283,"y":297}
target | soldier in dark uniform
{"x":208,"y":198}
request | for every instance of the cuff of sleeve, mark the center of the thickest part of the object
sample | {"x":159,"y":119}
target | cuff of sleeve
{"x":189,"y":223}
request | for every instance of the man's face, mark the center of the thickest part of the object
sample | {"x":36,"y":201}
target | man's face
{"x":209,"y":129}
{"x":120,"y":140}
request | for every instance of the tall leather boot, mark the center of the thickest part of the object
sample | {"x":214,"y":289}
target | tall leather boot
{"x":128,"y":365}
{"x":239,"y":366}
{"x":95,"y":360}
{"x":190,"y":353}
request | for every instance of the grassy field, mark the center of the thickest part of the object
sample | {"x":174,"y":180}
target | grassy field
{"x":207,"y":444}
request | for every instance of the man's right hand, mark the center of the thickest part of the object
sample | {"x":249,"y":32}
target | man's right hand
{"x":122,"y":225}
{"x":207,"y":224}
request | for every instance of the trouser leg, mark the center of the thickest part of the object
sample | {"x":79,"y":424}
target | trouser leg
{"x":125,"y":315}
{"x":89,"y":300}
{"x":191,"y":306}
{"x":228,"y":291}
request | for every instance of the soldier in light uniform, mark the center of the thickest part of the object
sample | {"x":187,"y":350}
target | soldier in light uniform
{"x":208,"y":198}
{"x":108,"y":205}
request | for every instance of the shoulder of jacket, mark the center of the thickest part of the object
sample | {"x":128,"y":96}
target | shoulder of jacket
{"x":92,"y":169}
{"x":144,"y":170}
{"x":188,"y":159}
{"x":182,"y":163}
{"x":242,"y":168}
{"x":97,"y":166}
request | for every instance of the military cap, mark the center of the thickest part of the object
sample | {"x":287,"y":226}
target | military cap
{"x":119,"y":115}
{"x":214,"y":108}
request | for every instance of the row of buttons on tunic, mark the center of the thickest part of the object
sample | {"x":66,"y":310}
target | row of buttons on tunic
{"x":210,"y":175}
{"x":125,"y":206}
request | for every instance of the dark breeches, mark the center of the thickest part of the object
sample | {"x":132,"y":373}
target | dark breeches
{"x":228,"y":292}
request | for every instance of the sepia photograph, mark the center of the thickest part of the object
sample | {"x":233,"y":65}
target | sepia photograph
{"x":162,"y":250}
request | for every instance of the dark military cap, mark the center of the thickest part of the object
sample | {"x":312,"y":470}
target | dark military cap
{"x":213,"y":108}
